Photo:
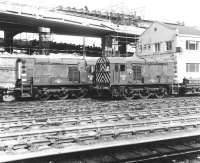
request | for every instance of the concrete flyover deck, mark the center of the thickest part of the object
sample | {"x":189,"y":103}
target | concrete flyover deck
{"x":28,"y":19}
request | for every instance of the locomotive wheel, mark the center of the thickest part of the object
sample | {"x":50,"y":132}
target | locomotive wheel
{"x":82,"y":93}
{"x":115,"y":92}
{"x":99,"y":93}
{"x":64,"y":95}
{"x":43,"y":96}
{"x":128,"y":94}
{"x":55,"y":96}
{"x":144,"y":94}
{"x":160,"y":93}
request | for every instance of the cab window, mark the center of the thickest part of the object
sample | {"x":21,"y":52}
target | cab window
{"x":137,"y":72}
{"x":90,"y":69}
{"x":116,"y":68}
{"x":122,"y":68}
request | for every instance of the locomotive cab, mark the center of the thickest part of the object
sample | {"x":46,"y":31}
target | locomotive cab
{"x":116,"y":73}
{"x":8,"y":78}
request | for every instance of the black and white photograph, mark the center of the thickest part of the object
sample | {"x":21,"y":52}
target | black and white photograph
{"x":99,"y":81}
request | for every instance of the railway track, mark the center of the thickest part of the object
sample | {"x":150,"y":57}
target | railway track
{"x":87,"y":101}
{"x":186,"y":150}
{"x":33,"y":127}
{"x":23,"y":123}
{"x":14,"y":118}
{"x":40,"y":139}
{"x":90,"y":106}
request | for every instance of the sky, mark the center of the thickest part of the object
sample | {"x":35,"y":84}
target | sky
{"x":186,"y":11}
{"x":162,"y":10}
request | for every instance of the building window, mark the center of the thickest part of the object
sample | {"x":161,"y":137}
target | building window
{"x":145,"y":47}
{"x":140,"y":47}
{"x":149,"y":46}
{"x":169,"y":45}
{"x":191,"y":45}
{"x":192,"y":67}
{"x":156,"y":47}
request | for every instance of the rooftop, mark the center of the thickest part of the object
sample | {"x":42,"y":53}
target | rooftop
{"x":188,"y":30}
{"x":182,"y":29}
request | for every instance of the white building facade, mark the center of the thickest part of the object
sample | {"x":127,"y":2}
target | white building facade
{"x":178,"y":43}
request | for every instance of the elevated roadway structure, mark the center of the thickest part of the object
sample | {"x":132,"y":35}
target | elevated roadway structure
{"x":15,"y":19}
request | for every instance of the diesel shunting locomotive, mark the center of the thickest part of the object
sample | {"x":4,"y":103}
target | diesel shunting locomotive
{"x":59,"y":77}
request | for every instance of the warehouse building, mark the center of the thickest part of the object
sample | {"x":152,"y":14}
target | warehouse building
{"x":177,"y":42}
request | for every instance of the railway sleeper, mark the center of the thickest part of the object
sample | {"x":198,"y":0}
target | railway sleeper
{"x":20,"y":146}
{"x":176,"y":128}
{"x":106,"y":135}
{"x":142,"y":132}
{"x":39,"y":147}
{"x":159,"y":130}
{"x":60,"y":143}
{"x":125,"y":133}
{"x":109,"y":129}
